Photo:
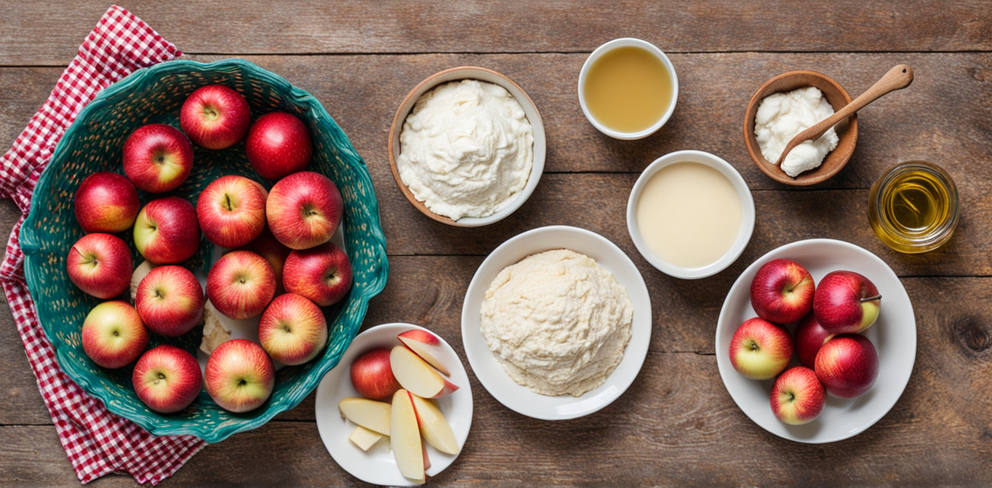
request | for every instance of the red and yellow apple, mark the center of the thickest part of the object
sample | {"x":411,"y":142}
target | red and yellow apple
{"x":239,"y":375}
{"x":304,"y":209}
{"x":215,"y":117}
{"x":847,"y":365}
{"x":241,"y":284}
{"x":846,"y":302}
{"x":100,"y":265}
{"x":372,"y":376}
{"x":113,"y":335}
{"x":415,"y":375}
{"x":169,"y":300}
{"x":166,"y":231}
{"x":323,"y":274}
{"x":167,"y":379}
{"x":292,"y":329}
{"x":157,"y":158}
{"x":106,"y":202}
{"x":782,"y":291}
{"x":278,"y":144}
{"x":797,"y":396}
{"x":760,"y":349}
{"x":231,"y":211}
{"x":809,"y":338}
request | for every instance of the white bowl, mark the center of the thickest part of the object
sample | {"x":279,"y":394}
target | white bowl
{"x":894,"y":337}
{"x":747,"y":217}
{"x":628,"y":42}
{"x":491,"y":374}
{"x":481,"y":74}
{"x":378,"y":465}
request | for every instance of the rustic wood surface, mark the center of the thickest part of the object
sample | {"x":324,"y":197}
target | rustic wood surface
{"x":676,"y":425}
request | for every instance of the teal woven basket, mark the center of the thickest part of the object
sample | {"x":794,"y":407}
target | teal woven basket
{"x":93,"y":143}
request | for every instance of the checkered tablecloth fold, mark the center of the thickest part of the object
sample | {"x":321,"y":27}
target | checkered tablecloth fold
{"x":96,"y":441}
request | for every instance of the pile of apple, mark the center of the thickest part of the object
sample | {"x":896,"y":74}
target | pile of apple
{"x":835,"y":358}
{"x":280,"y":240}
{"x":411,"y":376}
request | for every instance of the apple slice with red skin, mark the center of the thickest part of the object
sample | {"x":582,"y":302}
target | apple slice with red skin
{"x":425,"y":345}
{"x":434,"y":427}
{"x":415,"y":375}
{"x":370,"y":414}
{"x":404,"y":437}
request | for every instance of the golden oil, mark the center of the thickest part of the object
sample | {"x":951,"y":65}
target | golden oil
{"x":914,"y":207}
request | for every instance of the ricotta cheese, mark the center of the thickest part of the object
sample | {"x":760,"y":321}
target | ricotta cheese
{"x":782,"y":116}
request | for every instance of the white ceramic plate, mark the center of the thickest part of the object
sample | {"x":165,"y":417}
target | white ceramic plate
{"x":377,"y":465}
{"x":490,"y":373}
{"x":894,"y":337}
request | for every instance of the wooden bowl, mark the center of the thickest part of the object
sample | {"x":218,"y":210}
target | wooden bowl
{"x":847,"y":130}
{"x":489,"y":76}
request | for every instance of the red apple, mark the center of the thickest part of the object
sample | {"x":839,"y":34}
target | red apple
{"x":292,"y":329}
{"x":215,"y":117}
{"x":304,"y":209}
{"x":106,"y":202}
{"x":846,"y":302}
{"x":267,"y":246}
{"x":240,"y":284}
{"x":322,"y":274}
{"x":426,"y":345}
{"x":278,"y":144}
{"x":231,"y":211}
{"x":809,"y":338}
{"x":100,"y":264}
{"x":167,"y":379}
{"x":797,"y":396}
{"x":782,"y":291}
{"x":166,"y":231}
{"x":847,"y":365}
{"x":372,"y":376}
{"x":760,"y":349}
{"x":239,"y":375}
{"x":113,"y":335}
{"x":169,"y":300}
{"x":157,"y":158}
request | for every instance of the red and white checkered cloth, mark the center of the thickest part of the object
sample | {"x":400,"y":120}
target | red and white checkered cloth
{"x":96,"y":441}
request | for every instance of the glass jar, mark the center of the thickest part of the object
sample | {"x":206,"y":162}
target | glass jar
{"x":913,"y":208}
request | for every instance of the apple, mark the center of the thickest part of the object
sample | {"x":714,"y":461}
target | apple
{"x":797,"y":396}
{"x":372,"y":376}
{"x":404,"y":437}
{"x":760,"y":349}
{"x":100,"y":265}
{"x":167,"y":379}
{"x":304,"y":209}
{"x":241,"y":284}
{"x":846,"y":302}
{"x":322,"y":274}
{"x":782,"y":291}
{"x":278,"y":144}
{"x":157,"y":158}
{"x":113,"y":335}
{"x":166,"y":231}
{"x":434,"y":427}
{"x":231,"y":211}
{"x":106,"y":202}
{"x":367,"y":413}
{"x":425,"y":345}
{"x":239,"y":375}
{"x":415,"y":375}
{"x":169,"y":300}
{"x":267,"y":246}
{"x":215,"y":117}
{"x":292,"y":329}
{"x":847,"y":365}
{"x":364,"y":438}
{"x":809,"y":338}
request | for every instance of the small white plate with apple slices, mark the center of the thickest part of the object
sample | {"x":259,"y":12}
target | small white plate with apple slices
{"x":491,"y":374}
{"x":378,"y":465}
{"x":893,"y":335}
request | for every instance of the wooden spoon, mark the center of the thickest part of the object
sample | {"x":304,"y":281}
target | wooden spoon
{"x":897,"y":78}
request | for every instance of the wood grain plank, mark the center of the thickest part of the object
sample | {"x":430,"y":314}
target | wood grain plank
{"x":36,"y":33}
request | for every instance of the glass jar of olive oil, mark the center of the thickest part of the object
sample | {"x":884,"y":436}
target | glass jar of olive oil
{"x":913,"y":208}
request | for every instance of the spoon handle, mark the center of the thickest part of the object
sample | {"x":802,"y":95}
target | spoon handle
{"x":897,"y":78}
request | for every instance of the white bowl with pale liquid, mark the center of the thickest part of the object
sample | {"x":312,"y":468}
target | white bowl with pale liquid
{"x":690,"y":235}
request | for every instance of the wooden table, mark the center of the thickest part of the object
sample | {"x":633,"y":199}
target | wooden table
{"x":676,"y":424}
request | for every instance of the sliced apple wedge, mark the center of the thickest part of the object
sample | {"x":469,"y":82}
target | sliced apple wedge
{"x":415,"y":375}
{"x":367,"y":413}
{"x":434,"y":427}
{"x":425,"y":345}
{"x":364,"y":438}
{"x":404,"y":437}
{"x":427,"y":460}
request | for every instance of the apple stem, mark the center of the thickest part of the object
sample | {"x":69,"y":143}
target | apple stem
{"x":871,"y":299}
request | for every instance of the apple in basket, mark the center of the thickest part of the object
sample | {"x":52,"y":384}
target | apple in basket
{"x":239,"y":375}
{"x":231,"y":211}
{"x":278,"y":144}
{"x":106,"y":202}
{"x":846,"y":302}
{"x":267,"y":246}
{"x":782,"y":291}
{"x":169,"y":300}
{"x":797,"y":396}
{"x":322,"y":274}
{"x":292,"y":329}
{"x":304,"y":209}
{"x":241,"y":284}
{"x":113,"y":335}
{"x":167,"y":379}
{"x":760,"y":350}
{"x":166,"y":231}
{"x":157,"y":158}
{"x":100,"y":265}
{"x":215,"y":117}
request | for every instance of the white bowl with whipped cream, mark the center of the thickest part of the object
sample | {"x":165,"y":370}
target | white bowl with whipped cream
{"x":467,"y":146}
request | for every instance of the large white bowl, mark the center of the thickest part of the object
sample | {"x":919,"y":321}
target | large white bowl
{"x":491,"y":374}
{"x":747,"y":214}
{"x":894,"y":337}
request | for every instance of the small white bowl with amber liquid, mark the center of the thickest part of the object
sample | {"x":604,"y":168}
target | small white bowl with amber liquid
{"x":913,"y":208}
